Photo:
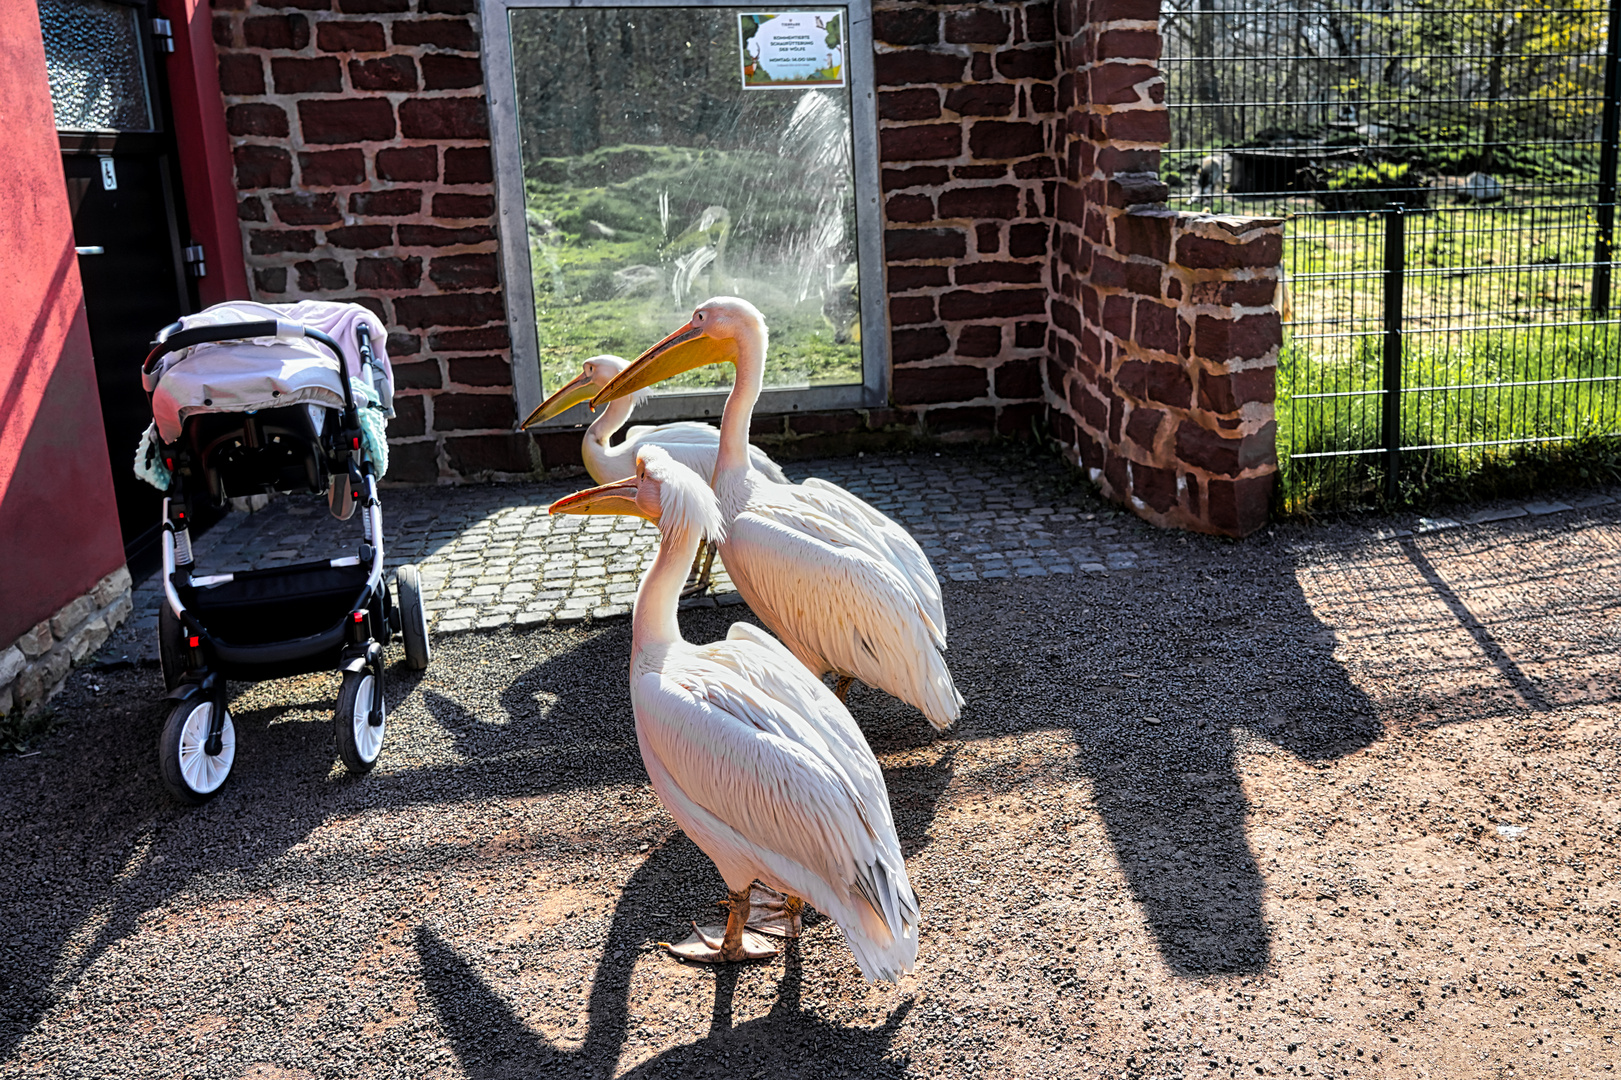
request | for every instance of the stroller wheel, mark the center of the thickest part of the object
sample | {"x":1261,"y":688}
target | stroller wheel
{"x":359,"y":742}
{"x":190,"y":772}
{"x":170,"y":656}
{"x":413,"y":619}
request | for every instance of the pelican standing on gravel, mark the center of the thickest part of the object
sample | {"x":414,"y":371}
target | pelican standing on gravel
{"x":845,"y":588}
{"x":755,"y":759}
{"x":692,"y":444}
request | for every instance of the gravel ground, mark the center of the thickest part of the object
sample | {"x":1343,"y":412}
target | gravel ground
{"x":1328,"y":802}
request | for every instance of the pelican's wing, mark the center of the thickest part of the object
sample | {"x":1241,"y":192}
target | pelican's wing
{"x":837,"y":601}
{"x":741,"y":744}
{"x":695,"y":446}
{"x":883,"y":531}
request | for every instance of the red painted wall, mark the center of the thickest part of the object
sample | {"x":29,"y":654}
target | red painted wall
{"x":205,"y":150}
{"x":58,"y":521}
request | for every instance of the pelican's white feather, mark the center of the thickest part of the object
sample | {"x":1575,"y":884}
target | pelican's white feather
{"x":686,"y":503}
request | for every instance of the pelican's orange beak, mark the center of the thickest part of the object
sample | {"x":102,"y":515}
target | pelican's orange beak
{"x":618,"y":497}
{"x":578,"y":390}
{"x":687,"y":348}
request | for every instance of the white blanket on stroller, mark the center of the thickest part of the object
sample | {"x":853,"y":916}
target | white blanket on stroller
{"x":266,"y":372}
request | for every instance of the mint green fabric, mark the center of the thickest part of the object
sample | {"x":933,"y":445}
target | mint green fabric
{"x":373,"y":425}
{"x":149,"y":460}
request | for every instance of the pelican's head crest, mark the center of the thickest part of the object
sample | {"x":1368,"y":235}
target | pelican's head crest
{"x":685,"y":502}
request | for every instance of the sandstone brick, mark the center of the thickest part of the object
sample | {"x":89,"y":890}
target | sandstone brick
{"x":1157,"y":326}
{"x":938,"y":385}
{"x":1030,"y":335}
{"x":1248,"y":337}
{"x":920,"y":142}
{"x":388,"y":274}
{"x":980,"y":67}
{"x":905,"y":278}
{"x":456,"y":309}
{"x":988,"y":238}
{"x":1147,"y":236}
{"x":997,"y":272}
{"x":251,"y":208}
{"x":995,"y":171}
{"x":225,"y":37}
{"x":275,"y":241}
{"x":1000,"y":201}
{"x":402,"y":344}
{"x":480,"y":371}
{"x":321,"y":275}
{"x":922,"y":344}
{"x":361,"y":237}
{"x":410,"y":163}
{"x":977,"y":25}
{"x":905,"y":244}
{"x":444,"y":118}
{"x":963,"y":305}
{"x":276,"y":32}
{"x":294,"y":75}
{"x":1121,"y":10}
{"x":452,"y":204}
{"x":1120,"y":44}
{"x":384,"y":73}
{"x":1019,"y":379}
{"x":1212,"y":452}
{"x":1139,"y":125}
{"x":1206,"y":253}
{"x":906,"y":26}
{"x":342,"y":35}
{"x":392,"y":202}
{"x":470,"y":412}
{"x":1142,"y":426}
{"x":979,"y":340}
{"x":415,"y":463}
{"x":441,"y":72}
{"x":1154,"y":486}
{"x":1248,"y":292}
{"x":1026,"y":240}
{"x":919,"y":176}
{"x":410,"y":417}
{"x":69,"y":617}
{"x":111,"y":587}
{"x":37,"y":641}
{"x":346,"y":120}
{"x":304,"y":208}
{"x":917,"y":66}
{"x":980,"y":418}
{"x":1117,"y":316}
{"x":1239,"y":507}
{"x":373,"y":7}
{"x":262,"y":167}
{"x":455,"y":272}
{"x":447,"y":7}
{"x":1038,"y":62}
{"x":909,"y":208}
{"x":457,"y":34}
{"x":256,"y":119}
{"x":331,"y":168}
{"x":1116,"y":84}
{"x":241,"y":74}
{"x":12,"y":663}
{"x":438,"y":236}
{"x":476,"y":454}
{"x":1227,"y":392}
{"x":420,"y":375}
{"x":922,"y":103}
{"x":910,"y":310}
{"x":270,"y":279}
{"x":982,"y":99}
{"x":468,"y":165}
{"x":1038,"y":22}
{"x":992,"y":139}
{"x":488,"y":337}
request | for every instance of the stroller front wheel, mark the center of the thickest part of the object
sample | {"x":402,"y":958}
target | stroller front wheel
{"x":359,"y":740}
{"x":190,"y":772}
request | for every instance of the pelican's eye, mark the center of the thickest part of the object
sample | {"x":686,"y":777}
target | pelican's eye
{"x":697,"y":316}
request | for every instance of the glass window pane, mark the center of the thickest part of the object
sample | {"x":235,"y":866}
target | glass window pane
{"x":655,"y":178}
{"x":94,"y":61}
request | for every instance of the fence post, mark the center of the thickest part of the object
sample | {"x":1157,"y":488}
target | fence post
{"x":1603,"y":245}
{"x":1395,"y":272}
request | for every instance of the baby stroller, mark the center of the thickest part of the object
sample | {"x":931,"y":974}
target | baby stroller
{"x":248,"y":399}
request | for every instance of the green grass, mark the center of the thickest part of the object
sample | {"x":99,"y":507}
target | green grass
{"x":610,"y":230}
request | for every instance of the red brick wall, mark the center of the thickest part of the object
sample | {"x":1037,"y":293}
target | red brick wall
{"x":361,"y":143}
{"x":966,"y":129}
{"x":1165,"y":339}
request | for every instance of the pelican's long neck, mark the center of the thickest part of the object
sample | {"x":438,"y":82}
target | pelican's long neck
{"x":610,"y":420}
{"x":653,"y":619}
{"x":733,"y":458}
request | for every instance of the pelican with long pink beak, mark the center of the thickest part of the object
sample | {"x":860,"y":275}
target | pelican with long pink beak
{"x":692,"y":444}
{"x":755,"y":759}
{"x":846,"y":589}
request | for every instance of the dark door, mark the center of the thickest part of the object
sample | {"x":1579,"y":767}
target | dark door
{"x":117,"y":155}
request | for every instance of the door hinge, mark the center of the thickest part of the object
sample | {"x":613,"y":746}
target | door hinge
{"x":194,"y":261}
{"x":163,"y":33}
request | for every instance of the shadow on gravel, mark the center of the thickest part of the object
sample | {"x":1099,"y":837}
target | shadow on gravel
{"x":492,"y":1042}
{"x":1160,"y":678}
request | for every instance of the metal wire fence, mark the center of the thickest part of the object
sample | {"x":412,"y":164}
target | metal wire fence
{"x":1447,"y":175}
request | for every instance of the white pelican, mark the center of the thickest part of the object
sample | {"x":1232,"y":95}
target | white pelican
{"x":844,"y":587}
{"x":753,"y":756}
{"x":692,"y":444}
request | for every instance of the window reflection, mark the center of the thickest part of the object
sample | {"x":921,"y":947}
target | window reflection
{"x":654,"y":179}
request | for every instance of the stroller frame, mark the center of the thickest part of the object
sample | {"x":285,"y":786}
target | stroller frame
{"x":197,"y":748}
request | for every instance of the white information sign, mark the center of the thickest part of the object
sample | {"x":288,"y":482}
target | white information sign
{"x":792,"y":50}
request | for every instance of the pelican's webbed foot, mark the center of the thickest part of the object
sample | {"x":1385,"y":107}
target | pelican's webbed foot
{"x":698,"y":577}
{"x":774,"y":913}
{"x":713,"y":945}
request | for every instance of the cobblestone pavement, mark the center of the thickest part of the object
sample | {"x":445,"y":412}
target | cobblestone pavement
{"x":491,"y":556}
